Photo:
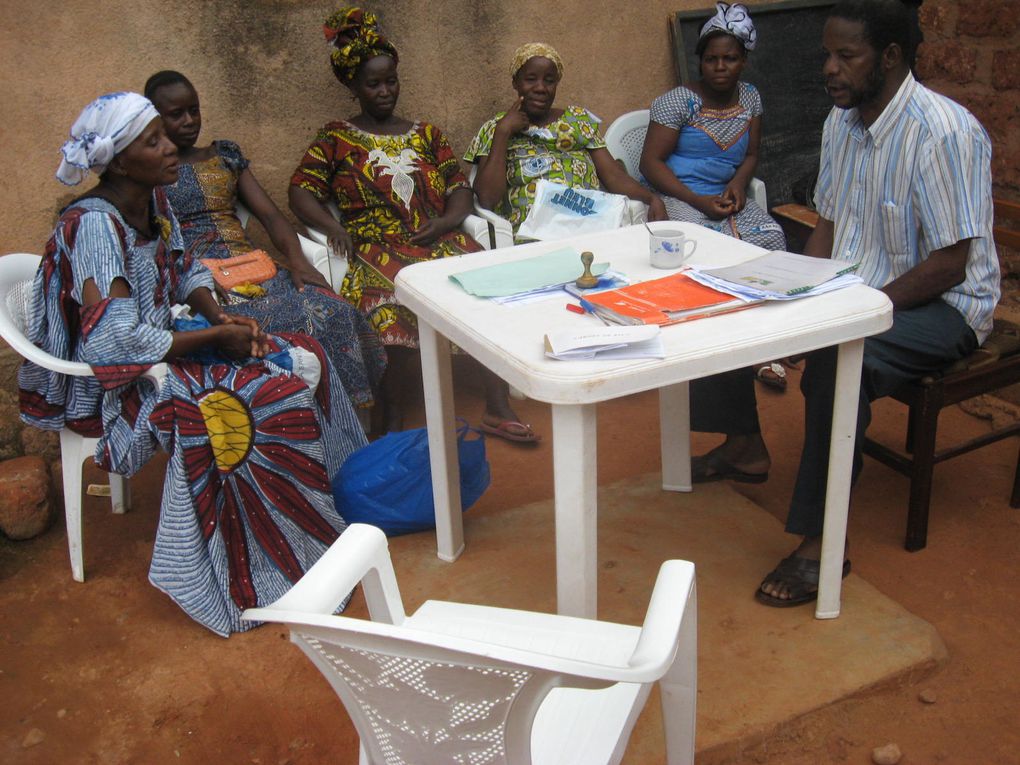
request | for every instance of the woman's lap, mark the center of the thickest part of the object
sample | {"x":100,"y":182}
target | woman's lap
{"x":752,"y":224}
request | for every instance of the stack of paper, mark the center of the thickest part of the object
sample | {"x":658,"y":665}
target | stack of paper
{"x":549,"y":271}
{"x":779,"y":276}
{"x":641,"y":342}
{"x":667,"y":300}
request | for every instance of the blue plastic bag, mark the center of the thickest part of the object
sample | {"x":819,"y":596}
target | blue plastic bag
{"x":389,"y":482}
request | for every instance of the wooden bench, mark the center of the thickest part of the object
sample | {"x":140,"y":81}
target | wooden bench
{"x":993,"y":366}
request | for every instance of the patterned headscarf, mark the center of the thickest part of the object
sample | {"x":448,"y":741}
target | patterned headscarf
{"x":529,"y":51}
{"x":353,"y":36}
{"x":103,"y":129}
{"x":733,"y":20}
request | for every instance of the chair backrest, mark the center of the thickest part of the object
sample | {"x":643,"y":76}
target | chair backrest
{"x":17,"y":272}
{"x":625,"y":139}
{"x":414,"y":696}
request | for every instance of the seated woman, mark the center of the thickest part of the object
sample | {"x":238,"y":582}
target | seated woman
{"x":401,"y":197}
{"x":211,"y":181}
{"x":701,"y":148}
{"x":247,"y":506}
{"x":700,"y":152}
{"x":533,"y":140}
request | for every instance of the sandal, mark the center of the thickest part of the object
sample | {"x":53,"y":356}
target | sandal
{"x":511,"y":430}
{"x":800,"y":575}
{"x":713,"y":467}
{"x":772,"y":375}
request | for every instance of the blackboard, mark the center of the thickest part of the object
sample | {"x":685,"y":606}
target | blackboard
{"x":786,"y":67}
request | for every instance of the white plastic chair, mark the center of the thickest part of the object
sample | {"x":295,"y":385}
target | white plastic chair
{"x":17,"y":271}
{"x":625,"y":139}
{"x":330,"y":266}
{"x":474,"y":684}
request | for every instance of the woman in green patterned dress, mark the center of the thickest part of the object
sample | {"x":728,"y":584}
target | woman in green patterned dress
{"x":533,"y":140}
{"x":401,"y":196}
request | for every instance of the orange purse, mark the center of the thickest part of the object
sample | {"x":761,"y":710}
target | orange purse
{"x":253,"y":267}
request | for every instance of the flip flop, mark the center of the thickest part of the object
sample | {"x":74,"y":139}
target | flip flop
{"x":800,"y":575}
{"x":506,"y":428}
{"x":772,"y":375}
{"x":713,"y":467}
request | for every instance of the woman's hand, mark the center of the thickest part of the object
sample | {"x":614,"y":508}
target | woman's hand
{"x":240,"y":336}
{"x":515,"y":120}
{"x":737,"y":194}
{"x":715,"y":207}
{"x":302,"y":272}
{"x":657,"y":210}
{"x":431,"y":230}
{"x":339,"y":241}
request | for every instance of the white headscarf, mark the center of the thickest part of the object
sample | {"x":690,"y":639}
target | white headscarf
{"x":103,"y":129}
{"x":733,"y":20}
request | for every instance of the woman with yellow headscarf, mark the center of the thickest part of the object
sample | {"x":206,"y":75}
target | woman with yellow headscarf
{"x":533,"y":139}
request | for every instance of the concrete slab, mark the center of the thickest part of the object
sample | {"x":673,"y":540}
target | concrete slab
{"x":760,"y":669}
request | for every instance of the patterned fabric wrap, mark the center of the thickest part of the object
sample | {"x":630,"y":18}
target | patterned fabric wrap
{"x":103,"y":129}
{"x":559,"y":151}
{"x":387,"y":187}
{"x":205,"y":201}
{"x":711,"y":145}
{"x":353,"y":36}
{"x":529,"y":51}
{"x":247,"y":506}
{"x":733,"y":20}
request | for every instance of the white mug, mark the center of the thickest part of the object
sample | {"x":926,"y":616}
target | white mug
{"x":668,"y":248}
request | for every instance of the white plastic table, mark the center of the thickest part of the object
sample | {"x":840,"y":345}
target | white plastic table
{"x":508,"y":340}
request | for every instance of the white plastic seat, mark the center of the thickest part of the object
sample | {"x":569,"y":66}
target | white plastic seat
{"x":474,"y":684}
{"x":17,"y":271}
{"x":625,"y":139}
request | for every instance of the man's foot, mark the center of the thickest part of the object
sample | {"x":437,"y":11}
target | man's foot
{"x":738,"y":458}
{"x":795,"y":580}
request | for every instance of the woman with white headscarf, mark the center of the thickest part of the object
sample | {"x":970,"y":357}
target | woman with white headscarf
{"x":702,"y":143}
{"x":253,"y":445}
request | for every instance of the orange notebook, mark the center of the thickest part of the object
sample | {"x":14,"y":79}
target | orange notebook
{"x":668,"y":300}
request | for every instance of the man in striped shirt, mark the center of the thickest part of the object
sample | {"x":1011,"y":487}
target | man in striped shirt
{"x":904,"y":189}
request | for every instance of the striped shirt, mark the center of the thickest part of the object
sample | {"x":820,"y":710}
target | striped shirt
{"x":917,"y":180}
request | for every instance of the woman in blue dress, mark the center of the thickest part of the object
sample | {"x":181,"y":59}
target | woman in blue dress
{"x":701,"y":148}
{"x":256,"y":425}
{"x":211,"y":181}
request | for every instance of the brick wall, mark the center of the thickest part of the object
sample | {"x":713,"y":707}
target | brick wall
{"x":971,"y":53}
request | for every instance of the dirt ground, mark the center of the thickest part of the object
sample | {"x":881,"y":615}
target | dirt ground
{"x":110,"y":671}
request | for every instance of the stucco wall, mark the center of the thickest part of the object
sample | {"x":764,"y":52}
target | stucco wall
{"x":261,"y":69}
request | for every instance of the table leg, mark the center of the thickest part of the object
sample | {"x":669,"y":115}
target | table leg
{"x":675,"y":436}
{"x":576,"y":485}
{"x":837,"y":492}
{"x":437,"y":379}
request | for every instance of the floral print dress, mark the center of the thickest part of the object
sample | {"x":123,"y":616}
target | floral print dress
{"x":559,"y":152}
{"x":386,"y":187}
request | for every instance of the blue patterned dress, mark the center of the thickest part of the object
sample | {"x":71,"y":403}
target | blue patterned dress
{"x":204,"y":199}
{"x":247,"y":506}
{"x":711,"y":146}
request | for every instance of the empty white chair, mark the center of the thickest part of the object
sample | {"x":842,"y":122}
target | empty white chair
{"x":17,"y":271}
{"x":625,"y":139}
{"x":473,"y":684}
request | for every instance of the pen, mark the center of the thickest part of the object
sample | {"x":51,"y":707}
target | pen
{"x":575,"y":308}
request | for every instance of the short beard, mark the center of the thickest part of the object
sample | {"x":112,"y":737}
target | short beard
{"x":872,"y":87}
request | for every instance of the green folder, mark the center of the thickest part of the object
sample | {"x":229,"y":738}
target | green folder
{"x":552,"y":268}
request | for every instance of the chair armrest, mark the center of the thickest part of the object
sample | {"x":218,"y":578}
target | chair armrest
{"x":503,"y":232}
{"x":667,"y":611}
{"x":333,"y":267}
{"x":756,"y":191}
{"x":360,"y":554}
{"x":637,"y":213}
{"x":486,"y":233}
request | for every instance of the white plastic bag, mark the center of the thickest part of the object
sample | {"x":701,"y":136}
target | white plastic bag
{"x":560,"y":212}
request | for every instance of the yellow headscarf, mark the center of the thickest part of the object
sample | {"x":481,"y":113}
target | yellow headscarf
{"x":354,"y":37}
{"x":529,"y":51}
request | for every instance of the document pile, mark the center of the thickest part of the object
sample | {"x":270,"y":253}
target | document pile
{"x":609,"y":343}
{"x":779,"y":276}
{"x":526,"y":280}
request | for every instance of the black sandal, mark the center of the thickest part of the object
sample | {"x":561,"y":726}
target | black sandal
{"x":800,"y":576}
